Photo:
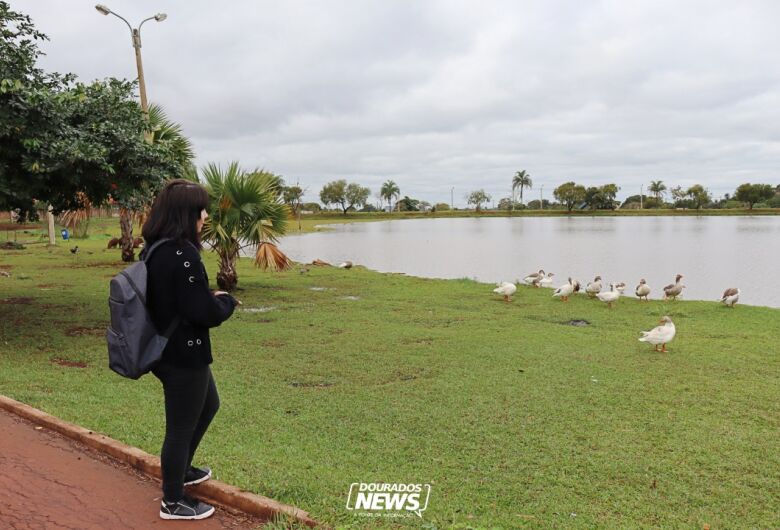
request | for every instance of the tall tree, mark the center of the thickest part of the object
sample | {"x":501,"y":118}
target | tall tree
{"x":698,"y":195}
{"x":65,"y":142}
{"x":343,"y":194}
{"x":570,"y":194}
{"x":245,"y":209}
{"x":478,"y":198}
{"x":390,"y":191}
{"x":753,"y":193}
{"x":522,"y":180}
{"x":657,"y":188}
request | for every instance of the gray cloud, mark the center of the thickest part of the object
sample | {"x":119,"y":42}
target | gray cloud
{"x":435,"y":94}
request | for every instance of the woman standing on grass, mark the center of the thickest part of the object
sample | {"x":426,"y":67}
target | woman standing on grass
{"x":178,"y":296}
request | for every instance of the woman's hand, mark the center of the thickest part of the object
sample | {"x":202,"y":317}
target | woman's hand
{"x":220,"y":293}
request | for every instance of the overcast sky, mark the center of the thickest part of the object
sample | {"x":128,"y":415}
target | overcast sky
{"x":442,"y":94}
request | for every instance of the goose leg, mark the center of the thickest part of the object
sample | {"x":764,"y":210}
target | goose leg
{"x":663,"y":349}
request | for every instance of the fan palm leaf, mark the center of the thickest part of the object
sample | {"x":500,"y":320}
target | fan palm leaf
{"x":246,"y":210}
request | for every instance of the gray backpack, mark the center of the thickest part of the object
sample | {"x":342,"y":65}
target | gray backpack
{"x":134,"y":345}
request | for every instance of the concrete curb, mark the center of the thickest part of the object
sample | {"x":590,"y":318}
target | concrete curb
{"x":212,"y":491}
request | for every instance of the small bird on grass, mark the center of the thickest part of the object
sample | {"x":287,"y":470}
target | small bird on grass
{"x":74,"y":250}
{"x":730,"y":296}
{"x":662,"y":334}
{"x":506,"y":289}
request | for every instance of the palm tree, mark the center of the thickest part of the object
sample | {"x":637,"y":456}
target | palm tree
{"x":522,"y":180}
{"x":245,"y":210}
{"x":657,"y":188}
{"x":390,"y":191}
{"x":160,"y":131}
{"x":169,"y":133}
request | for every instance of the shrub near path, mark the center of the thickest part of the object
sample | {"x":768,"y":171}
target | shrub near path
{"x":515,"y":417}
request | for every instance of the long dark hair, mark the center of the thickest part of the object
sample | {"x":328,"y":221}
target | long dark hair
{"x":175,"y":213}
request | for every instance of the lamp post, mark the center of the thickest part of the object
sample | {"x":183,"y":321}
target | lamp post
{"x":135,"y":34}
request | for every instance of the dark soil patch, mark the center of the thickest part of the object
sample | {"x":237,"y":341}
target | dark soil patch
{"x":427,"y":341}
{"x":11,"y":245}
{"x":310,"y":384}
{"x":96,"y":265}
{"x":78,"y":331}
{"x":71,"y":364}
{"x":17,"y":301}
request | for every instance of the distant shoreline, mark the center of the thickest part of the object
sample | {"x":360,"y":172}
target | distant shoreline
{"x":311,"y":222}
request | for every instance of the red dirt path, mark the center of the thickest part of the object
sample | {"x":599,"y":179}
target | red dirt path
{"x":49,"y":481}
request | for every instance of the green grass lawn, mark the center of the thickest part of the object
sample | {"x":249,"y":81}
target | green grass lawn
{"x":516,"y":419}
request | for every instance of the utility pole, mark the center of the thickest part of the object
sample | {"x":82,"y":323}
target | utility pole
{"x":135,"y":33}
{"x":452,"y":198}
{"x":541,"y":197}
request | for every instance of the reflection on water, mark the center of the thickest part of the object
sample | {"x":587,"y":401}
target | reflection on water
{"x":712,"y":252}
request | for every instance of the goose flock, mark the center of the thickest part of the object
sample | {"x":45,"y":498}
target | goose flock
{"x":659,"y":336}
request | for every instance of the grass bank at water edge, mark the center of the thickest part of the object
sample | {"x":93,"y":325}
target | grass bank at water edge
{"x":516,"y":418}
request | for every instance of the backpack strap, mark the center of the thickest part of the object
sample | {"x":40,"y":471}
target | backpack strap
{"x":147,"y":252}
{"x":172,"y":326}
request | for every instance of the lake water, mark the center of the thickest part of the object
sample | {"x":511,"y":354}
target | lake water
{"x":713,"y":253}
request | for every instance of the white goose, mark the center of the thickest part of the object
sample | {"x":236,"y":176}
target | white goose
{"x":621,"y":287}
{"x":506,"y":289}
{"x":564,"y":291}
{"x":547,"y":280}
{"x":593,"y":288}
{"x":662,"y":334}
{"x":611,"y":296}
{"x":642,"y":290}
{"x":534,"y":277}
{"x":730,"y":296}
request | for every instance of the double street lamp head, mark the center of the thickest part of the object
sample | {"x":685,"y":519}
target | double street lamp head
{"x":104,"y":10}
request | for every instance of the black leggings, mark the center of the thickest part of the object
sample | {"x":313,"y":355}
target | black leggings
{"x":191,"y":401}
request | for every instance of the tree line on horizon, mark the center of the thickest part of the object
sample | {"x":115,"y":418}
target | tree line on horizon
{"x":569,"y":196}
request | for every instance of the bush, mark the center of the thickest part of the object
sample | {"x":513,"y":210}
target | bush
{"x":774,"y":202}
{"x":311,"y":207}
{"x":441,"y":207}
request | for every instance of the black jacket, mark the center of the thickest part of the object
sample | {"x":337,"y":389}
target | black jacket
{"x":177,"y":284}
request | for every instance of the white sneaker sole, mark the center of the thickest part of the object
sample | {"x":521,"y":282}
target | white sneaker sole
{"x":193,"y":482}
{"x":203,"y":515}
